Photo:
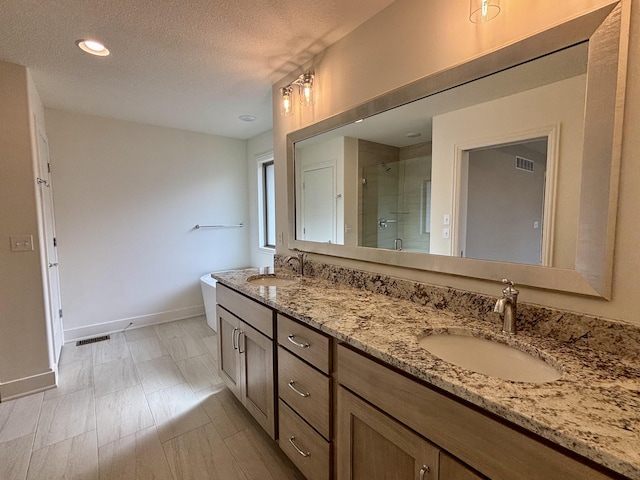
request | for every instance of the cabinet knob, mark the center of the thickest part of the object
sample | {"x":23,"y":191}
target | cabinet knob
{"x":424,"y":470}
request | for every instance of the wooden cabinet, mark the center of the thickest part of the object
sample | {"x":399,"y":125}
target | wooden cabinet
{"x":246,"y":355}
{"x":387,"y":425}
{"x":452,"y":469}
{"x":306,"y":404}
{"x":228,"y":356}
{"x":307,"y":449}
{"x":257,"y":376}
{"x":374,"y":446}
{"x":306,"y":343}
{"x":473,"y":445}
{"x":306,"y":390}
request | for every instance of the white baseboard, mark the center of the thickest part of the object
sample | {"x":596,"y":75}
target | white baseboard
{"x":28,"y":385}
{"x":106,"y":328}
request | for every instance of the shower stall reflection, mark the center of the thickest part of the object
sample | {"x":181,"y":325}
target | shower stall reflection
{"x":396,"y":204}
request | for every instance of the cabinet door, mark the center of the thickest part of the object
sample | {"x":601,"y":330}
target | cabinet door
{"x":228,"y":358}
{"x":373,"y":446}
{"x":453,"y":469}
{"x":258,"y":395}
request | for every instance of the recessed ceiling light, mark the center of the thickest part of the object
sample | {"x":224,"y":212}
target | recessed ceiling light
{"x":247,"y":118}
{"x":93,"y":47}
{"x":359,"y":121}
{"x":413,"y":135}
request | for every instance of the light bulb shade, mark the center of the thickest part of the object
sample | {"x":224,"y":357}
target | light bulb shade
{"x":306,"y":89}
{"x":93,"y":47}
{"x":286,"y":101}
{"x":481,"y":11}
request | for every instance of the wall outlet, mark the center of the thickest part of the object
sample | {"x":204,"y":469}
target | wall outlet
{"x":446,"y":233}
{"x":280,"y":238}
{"x":21,"y":243}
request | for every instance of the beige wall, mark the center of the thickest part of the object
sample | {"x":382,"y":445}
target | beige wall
{"x":24,"y":346}
{"x":413,"y":38}
{"x":127,"y":197}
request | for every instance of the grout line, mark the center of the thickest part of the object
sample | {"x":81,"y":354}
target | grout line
{"x":95,"y":417}
{"x":35,"y":432}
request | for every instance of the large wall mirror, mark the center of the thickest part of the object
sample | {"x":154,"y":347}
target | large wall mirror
{"x":504,"y":166}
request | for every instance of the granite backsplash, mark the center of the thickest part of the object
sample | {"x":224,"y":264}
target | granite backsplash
{"x":620,"y":338}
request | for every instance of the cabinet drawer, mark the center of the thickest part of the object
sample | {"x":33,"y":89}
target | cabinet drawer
{"x":250,"y":311}
{"x":312,"y":399}
{"x":304,"y":446}
{"x":308,"y":344}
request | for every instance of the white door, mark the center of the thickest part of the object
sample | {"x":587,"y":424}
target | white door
{"x":319,"y":205}
{"x":53,"y":279}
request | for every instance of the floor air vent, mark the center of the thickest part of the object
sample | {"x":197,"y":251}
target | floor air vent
{"x":92,"y":340}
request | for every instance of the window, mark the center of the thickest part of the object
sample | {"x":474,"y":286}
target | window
{"x":267,"y":202}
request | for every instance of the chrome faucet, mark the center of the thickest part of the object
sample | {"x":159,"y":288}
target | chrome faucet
{"x":299,"y":257}
{"x":397,"y":244}
{"x":507,"y":306}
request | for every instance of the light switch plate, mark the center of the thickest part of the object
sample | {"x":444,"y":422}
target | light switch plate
{"x":21,"y":243}
{"x":445,"y":232}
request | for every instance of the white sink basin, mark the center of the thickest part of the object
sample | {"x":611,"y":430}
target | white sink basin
{"x":489,"y":357}
{"x":272,"y":280}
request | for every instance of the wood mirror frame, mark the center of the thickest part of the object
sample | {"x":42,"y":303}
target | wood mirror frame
{"x":607,"y":30}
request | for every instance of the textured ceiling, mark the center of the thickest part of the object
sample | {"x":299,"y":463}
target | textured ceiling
{"x":195,"y":65}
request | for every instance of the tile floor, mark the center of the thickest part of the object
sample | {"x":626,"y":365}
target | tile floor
{"x":147,"y":404}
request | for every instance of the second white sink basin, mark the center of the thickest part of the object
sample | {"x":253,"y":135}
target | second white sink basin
{"x":272,"y":280}
{"x":490,"y":358}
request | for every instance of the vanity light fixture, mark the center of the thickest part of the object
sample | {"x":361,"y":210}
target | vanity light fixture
{"x":305,"y":93}
{"x":93,"y":47}
{"x":286,"y":102}
{"x":481,"y":11}
{"x":306,"y":89}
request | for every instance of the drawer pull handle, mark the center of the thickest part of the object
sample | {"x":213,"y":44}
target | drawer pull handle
{"x":291,"y":441}
{"x":423,"y":470}
{"x":234,"y":342}
{"x":242,"y":336}
{"x":292,"y":387}
{"x":293,"y":340}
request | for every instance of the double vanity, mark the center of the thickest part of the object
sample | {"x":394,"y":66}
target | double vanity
{"x":352,"y":384}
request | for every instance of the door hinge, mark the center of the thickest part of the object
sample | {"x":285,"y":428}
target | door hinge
{"x":55,"y":242}
{"x":49,"y":167}
{"x":60,"y":313}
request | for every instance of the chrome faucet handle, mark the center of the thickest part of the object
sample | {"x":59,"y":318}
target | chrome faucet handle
{"x":509,"y":290}
{"x":299,"y":257}
{"x":506,"y":306}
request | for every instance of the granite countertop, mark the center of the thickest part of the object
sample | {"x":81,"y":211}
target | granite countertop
{"x":593,"y":410}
